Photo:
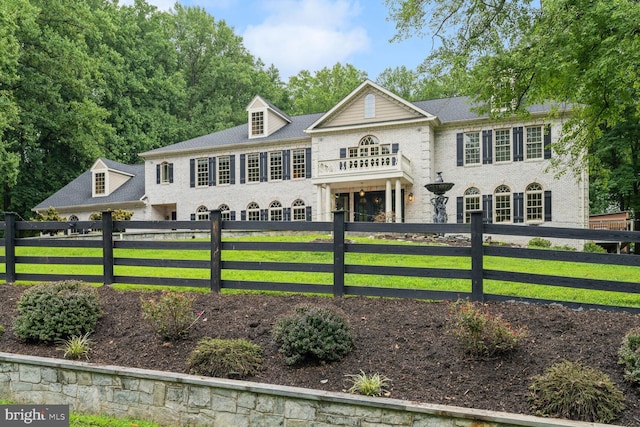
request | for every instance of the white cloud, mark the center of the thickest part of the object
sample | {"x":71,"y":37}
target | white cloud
{"x":160,"y":4}
{"x":306,"y":34}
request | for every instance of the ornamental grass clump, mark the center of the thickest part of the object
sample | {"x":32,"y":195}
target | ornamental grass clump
{"x":76,"y":347}
{"x":629,"y":355}
{"x":369,"y":385}
{"x":313,"y":334}
{"x":225,"y":358}
{"x":577,"y":392}
{"x":481,"y":333}
{"x":171,"y":314}
{"x":57,"y":311}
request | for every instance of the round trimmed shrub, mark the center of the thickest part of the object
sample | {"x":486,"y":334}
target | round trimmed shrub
{"x":57,"y":311}
{"x":629,"y":355}
{"x":236,"y":358}
{"x":577,"y":392}
{"x":313,"y":334}
{"x":539,"y":242}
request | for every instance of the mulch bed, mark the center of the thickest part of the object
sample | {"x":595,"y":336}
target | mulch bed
{"x":405,"y":340}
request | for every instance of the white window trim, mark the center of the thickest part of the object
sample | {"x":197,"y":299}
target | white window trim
{"x":265,"y":123}
{"x":106,"y":183}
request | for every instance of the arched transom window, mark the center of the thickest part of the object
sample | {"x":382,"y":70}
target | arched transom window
{"x":471,"y":202}
{"x":253,"y":212}
{"x":225,"y":212}
{"x":534,"y":199}
{"x":202,"y":213}
{"x":502,"y":210}
{"x":369,"y":146}
{"x":275,"y":211}
{"x":299,"y":210}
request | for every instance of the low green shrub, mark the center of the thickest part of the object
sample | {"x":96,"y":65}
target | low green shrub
{"x":629,"y":355}
{"x":313,"y":334}
{"x":480,"y":332}
{"x":577,"y":392}
{"x":235,"y":358}
{"x":76,"y":347}
{"x":171,"y":314}
{"x":539,"y":242}
{"x":57,"y":311}
{"x":368,"y":385}
{"x":592,"y":247}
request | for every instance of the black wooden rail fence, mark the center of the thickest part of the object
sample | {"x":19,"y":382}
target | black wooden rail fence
{"x":337,"y":246}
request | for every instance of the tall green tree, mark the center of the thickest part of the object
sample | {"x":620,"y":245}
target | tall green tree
{"x":411,"y":85}
{"x":582,"y":52}
{"x":320,"y":91}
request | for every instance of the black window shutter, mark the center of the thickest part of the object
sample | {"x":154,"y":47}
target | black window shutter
{"x":286,"y":214}
{"x":193,"y":217}
{"x":264,"y":215}
{"x":487,"y":147}
{"x":232,"y":169}
{"x":232,"y":215}
{"x":395,"y":148}
{"x":309,"y":216}
{"x":157,"y":174}
{"x":307,"y":162}
{"x":518,"y":207}
{"x":518,"y":144}
{"x":547,"y":142}
{"x":263,"y":167}
{"x":243,"y":215}
{"x":212,"y":171}
{"x":343,"y":153}
{"x":460,"y":210}
{"x":170,"y":173}
{"x":460,"y":149}
{"x":242,"y":169}
{"x":192,"y":172}
{"x":286,"y":164}
{"x":547,"y":205}
{"x":487,"y":207}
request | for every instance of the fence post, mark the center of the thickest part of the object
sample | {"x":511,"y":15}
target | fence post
{"x":477,"y":253}
{"x":338,"y":253}
{"x":10,"y":247}
{"x":215,"y":216}
{"x":107,"y":247}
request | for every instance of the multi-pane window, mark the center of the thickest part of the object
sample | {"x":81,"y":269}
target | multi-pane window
{"x":202,"y":172}
{"x":275,"y":166}
{"x":299,"y":210}
{"x":202,"y":213}
{"x":502,"y":204}
{"x":164,"y":172}
{"x":472,"y":148}
{"x":503,"y":145}
{"x":534,"y":197}
{"x":298,"y":163}
{"x":253,"y":212}
{"x":534,"y":142}
{"x":253,"y":167}
{"x":369,"y":146}
{"x":100,"y":183}
{"x":275,"y":211}
{"x":257,"y":123}
{"x":225,"y":212}
{"x":224,"y":170}
{"x":471,"y":202}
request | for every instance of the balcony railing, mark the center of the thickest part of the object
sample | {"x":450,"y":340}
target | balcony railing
{"x":395,"y":164}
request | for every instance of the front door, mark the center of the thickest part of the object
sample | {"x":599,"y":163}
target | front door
{"x":369,"y":206}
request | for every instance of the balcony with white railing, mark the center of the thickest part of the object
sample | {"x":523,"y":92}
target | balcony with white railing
{"x":394,"y":165}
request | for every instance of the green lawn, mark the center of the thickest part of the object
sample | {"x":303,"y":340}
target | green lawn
{"x":557,"y":268}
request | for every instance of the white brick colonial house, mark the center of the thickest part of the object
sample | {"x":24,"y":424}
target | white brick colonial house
{"x":371,"y":155}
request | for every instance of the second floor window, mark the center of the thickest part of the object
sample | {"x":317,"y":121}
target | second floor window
{"x":534,"y":142}
{"x":202,"y":172}
{"x":165,"y":173}
{"x":472,"y":148}
{"x":503,"y":145}
{"x":253,"y":167}
{"x":224,"y":170}
{"x":298,"y":162}
{"x":275,"y":166}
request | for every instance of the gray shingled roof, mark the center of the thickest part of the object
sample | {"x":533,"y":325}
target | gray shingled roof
{"x":78,"y":191}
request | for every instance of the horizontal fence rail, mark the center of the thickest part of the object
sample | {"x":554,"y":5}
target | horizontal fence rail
{"x":103,"y":246}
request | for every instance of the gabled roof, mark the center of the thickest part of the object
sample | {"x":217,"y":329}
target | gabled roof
{"x":269,"y":105}
{"x":78,"y":191}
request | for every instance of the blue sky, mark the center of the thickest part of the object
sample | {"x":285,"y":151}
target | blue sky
{"x":297,"y":35}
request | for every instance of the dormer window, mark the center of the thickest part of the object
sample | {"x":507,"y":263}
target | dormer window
{"x":257,"y":123}
{"x":369,"y":106}
{"x":99,"y":184}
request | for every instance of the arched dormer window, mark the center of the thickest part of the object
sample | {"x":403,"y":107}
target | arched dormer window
{"x":369,"y":106}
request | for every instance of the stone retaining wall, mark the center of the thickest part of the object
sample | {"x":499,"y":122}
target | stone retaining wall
{"x":186,"y":400}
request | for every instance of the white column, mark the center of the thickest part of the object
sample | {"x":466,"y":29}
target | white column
{"x":398,"y":200}
{"x":387,"y":201}
{"x":319,"y":203}
{"x":327,"y":203}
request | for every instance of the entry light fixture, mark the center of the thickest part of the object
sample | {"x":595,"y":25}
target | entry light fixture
{"x":411,"y":197}
{"x":362,"y":192}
